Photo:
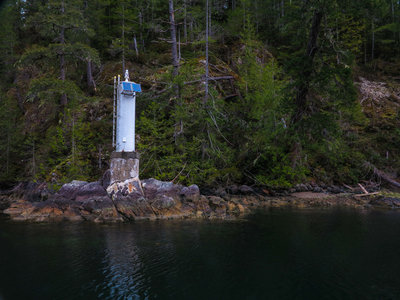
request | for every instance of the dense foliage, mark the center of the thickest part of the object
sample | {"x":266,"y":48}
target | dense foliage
{"x":249,"y":91}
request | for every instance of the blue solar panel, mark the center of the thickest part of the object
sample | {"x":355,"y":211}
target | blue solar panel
{"x":131,"y":87}
{"x":126,"y":86}
{"x":136,"y":87}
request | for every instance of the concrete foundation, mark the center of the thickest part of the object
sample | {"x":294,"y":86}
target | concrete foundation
{"x":124,"y":173}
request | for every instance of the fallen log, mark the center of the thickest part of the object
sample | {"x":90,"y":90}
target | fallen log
{"x":362,"y":188}
{"x":386,"y":177}
{"x":382,"y":175}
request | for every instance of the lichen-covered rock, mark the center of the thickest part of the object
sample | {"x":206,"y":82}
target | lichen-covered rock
{"x":125,"y":188}
{"x":163,"y":202}
{"x":154,"y":188}
{"x":69,"y":190}
{"x":215,"y":201}
{"x":190,"y":193}
{"x":90,"y":190}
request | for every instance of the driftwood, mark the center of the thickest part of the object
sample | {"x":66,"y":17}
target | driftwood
{"x":363,"y":195}
{"x":349,"y":187}
{"x":363,"y":188}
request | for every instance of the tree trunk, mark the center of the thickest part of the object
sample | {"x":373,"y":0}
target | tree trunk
{"x":373,"y":40}
{"x":206,"y":127}
{"x":393,"y":19}
{"x":365,"y":43}
{"x":63,"y":100}
{"x":301,"y":97}
{"x":207,"y":63}
{"x":100,"y":155}
{"x":8,"y":151}
{"x":185,"y":21}
{"x":89,"y":67}
{"x":191,"y":29}
{"x":90,"y":80}
{"x":136,"y":47}
{"x":175,"y":61}
{"x":179,"y":45}
{"x":123,"y":38}
{"x":33,"y":160}
{"x":73,"y":148}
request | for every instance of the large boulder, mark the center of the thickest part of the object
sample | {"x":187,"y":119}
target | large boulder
{"x":81,"y":191}
{"x":90,"y":190}
{"x":154,"y":188}
{"x":100,"y":209}
{"x":190,"y":193}
{"x":133,"y":206}
{"x":69,"y":190}
{"x":159,"y":199}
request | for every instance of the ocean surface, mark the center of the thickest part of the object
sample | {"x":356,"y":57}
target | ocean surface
{"x":276,"y":254}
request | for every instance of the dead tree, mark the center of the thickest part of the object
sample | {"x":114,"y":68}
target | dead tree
{"x":175,"y":61}
{"x":207,"y":63}
{"x":175,"y":64}
{"x":63,"y":100}
{"x":89,"y":65}
{"x":301,"y":97}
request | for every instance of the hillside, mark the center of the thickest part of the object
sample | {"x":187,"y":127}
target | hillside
{"x":258,"y":92}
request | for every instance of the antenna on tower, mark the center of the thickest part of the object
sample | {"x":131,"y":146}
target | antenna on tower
{"x":126,"y":75}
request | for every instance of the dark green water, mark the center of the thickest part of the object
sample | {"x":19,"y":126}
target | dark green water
{"x":281,"y":254}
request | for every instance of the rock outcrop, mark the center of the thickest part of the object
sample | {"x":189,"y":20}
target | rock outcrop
{"x":153,"y":199}
{"x":75,"y":201}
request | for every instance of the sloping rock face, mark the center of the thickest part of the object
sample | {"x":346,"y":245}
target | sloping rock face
{"x":155,"y":199}
{"x":75,"y":201}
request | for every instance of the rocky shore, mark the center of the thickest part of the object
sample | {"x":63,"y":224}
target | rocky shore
{"x":153,"y":199}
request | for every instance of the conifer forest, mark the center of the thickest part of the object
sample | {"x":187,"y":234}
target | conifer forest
{"x":268,"y":93}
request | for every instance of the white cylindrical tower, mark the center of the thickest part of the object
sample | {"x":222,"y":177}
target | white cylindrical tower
{"x":126,"y":109}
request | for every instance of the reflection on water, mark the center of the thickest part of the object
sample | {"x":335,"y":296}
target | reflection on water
{"x":280,"y":254}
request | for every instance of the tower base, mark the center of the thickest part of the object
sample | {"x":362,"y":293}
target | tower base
{"x":124,"y":173}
